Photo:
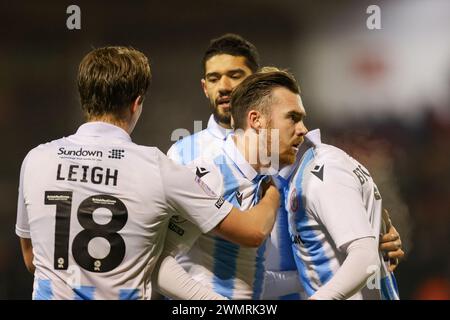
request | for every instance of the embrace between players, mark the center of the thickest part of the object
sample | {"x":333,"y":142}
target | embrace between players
{"x":264,"y":211}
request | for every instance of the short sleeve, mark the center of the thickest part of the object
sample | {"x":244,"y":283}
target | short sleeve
{"x":337,"y":203}
{"x":22,"y":224}
{"x":181,"y":235}
{"x":188,"y":195}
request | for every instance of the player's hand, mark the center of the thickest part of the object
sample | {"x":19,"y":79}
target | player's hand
{"x":270,"y":192}
{"x":391,"y":246}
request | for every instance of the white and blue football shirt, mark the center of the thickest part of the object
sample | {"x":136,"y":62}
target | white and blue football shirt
{"x":331,"y":201}
{"x":208,"y":142}
{"x":201,"y":144}
{"x":233,"y":271}
{"x":97,"y":207}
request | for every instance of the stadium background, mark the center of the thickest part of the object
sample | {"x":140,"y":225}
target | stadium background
{"x":381,"y":95}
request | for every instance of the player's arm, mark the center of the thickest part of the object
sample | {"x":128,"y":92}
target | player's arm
{"x":198,"y":202}
{"x":361,"y":262}
{"x":336,"y":203}
{"x":251,"y":227}
{"x":169,"y":277}
{"x":174,"y":282}
{"x":391,"y":243}
{"x":22,"y":224}
{"x":27,"y":252}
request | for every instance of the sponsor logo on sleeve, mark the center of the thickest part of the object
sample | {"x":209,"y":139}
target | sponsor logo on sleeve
{"x":220,"y":202}
{"x":175,"y":228}
{"x":205,"y":187}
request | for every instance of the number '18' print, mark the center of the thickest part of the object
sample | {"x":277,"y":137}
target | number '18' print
{"x":91,"y":230}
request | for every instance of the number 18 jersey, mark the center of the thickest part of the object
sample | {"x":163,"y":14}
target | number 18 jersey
{"x":96,"y":207}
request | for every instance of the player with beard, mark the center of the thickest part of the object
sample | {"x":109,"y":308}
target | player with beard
{"x":268,"y":116}
{"x":227,"y":61}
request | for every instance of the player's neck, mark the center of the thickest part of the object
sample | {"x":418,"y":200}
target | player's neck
{"x":225,"y":125}
{"x":121,"y":123}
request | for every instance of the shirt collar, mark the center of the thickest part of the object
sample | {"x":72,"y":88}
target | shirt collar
{"x":102,"y":129}
{"x":217,"y":130}
{"x":236,"y":156}
{"x":312,"y":138}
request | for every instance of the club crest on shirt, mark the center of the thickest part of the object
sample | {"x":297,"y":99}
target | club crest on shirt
{"x":293,"y":201}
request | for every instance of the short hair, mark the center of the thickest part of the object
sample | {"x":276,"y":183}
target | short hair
{"x":255,"y":93}
{"x":234,"y":45}
{"x":111,"y":78}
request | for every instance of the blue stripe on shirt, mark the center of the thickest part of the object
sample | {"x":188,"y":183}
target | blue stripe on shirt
{"x":291,"y":296}
{"x":84,"y":293}
{"x":259,"y":272}
{"x":389,"y":290}
{"x":129,"y":294}
{"x":44,"y":290}
{"x":261,"y":252}
{"x":287,"y":261}
{"x":230,"y":183}
{"x":224,"y":268}
{"x":225,"y":253}
{"x":188,"y":148}
{"x":314,"y":247}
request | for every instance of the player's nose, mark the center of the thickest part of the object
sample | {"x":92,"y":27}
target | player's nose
{"x":225,"y":84}
{"x":300,"y":129}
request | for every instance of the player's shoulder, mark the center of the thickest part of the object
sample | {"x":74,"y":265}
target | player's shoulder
{"x":44,"y":149}
{"x":147,"y":150}
{"x":329,"y":165}
{"x":333,"y":158}
{"x":190,"y":147}
{"x":154,"y":154}
{"x":330,"y":154}
{"x":187,"y":141}
{"x":338,"y":158}
{"x":207,"y":171}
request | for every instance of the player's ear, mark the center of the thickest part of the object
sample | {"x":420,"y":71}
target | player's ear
{"x":203,"y":82}
{"x":136,"y":104}
{"x":254,"y":119}
{"x":232,"y":122}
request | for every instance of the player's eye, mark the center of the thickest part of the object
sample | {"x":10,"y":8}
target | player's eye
{"x":295,"y":117}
